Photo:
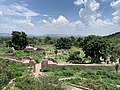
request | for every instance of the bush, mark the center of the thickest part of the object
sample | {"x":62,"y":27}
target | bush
{"x":75,"y":58}
{"x":74,"y":81}
{"x":46,"y":69}
{"x":65,"y":73}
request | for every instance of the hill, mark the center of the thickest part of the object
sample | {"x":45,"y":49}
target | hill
{"x":61,"y":35}
{"x":115,"y":35}
{"x":114,"y":38}
{"x":5,"y":35}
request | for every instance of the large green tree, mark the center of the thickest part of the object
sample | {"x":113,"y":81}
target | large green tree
{"x":19,"y":40}
{"x":63,"y":43}
{"x":96,"y":47}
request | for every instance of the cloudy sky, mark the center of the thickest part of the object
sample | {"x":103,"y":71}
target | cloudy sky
{"x":81,"y":17}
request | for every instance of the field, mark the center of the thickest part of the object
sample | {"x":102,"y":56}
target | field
{"x":102,"y":78}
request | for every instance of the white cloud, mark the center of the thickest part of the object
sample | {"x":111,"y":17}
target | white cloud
{"x":79,"y":2}
{"x":45,"y":15}
{"x":17,"y":15}
{"x":88,"y":14}
{"x":61,"y":20}
{"x":89,"y":17}
{"x":116,"y":14}
{"x":94,"y":5}
{"x":17,"y":10}
{"x":26,"y":22}
{"x":115,"y":4}
{"x":1,"y":13}
{"x":89,"y":22}
{"x":99,"y":27}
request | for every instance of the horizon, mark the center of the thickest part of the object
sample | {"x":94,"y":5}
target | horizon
{"x":68,"y":17}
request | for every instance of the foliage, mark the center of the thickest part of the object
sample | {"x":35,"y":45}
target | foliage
{"x":117,"y":67}
{"x":10,"y":70}
{"x":64,"y":73}
{"x":19,"y":40}
{"x":75,"y":58}
{"x":102,"y":78}
{"x":63,"y":43}
{"x":47,"y":40}
{"x":41,"y":83}
{"x":56,"y":51}
{"x":96,"y":47}
{"x":61,"y":72}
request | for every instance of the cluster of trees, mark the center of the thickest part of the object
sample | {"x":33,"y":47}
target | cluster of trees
{"x":63,"y":43}
{"x":96,"y":47}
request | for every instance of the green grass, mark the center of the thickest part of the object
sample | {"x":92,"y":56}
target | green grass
{"x":102,"y":78}
{"x":10,"y":70}
{"x":41,"y":83}
{"x":3,"y":49}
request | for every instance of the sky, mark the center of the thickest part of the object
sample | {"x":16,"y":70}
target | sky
{"x":75,"y":17}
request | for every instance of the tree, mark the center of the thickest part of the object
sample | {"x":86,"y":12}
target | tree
{"x":79,"y":42}
{"x":112,"y":59}
{"x":56,"y":51}
{"x":114,"y":53}
{"x":72,"y":40}
{"x":19,"y":40}
{"x":75,"y":58}
{"x":47,"y":39}
{"x":63,"y":43}
{"x":96,"y":47}
{"x":116,"y":67}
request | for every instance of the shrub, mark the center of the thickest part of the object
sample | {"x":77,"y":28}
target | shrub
{"x":46,"y":69}
{"x":66,"y":73}
{"x":75,"y":58}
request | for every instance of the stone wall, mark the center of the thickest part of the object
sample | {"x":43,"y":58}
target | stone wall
{"x":45,"y":63}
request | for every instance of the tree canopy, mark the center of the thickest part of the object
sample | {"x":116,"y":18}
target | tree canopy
{"x":19,"y":40}
{"x":96,"y":47}
{"x":63,"y":43}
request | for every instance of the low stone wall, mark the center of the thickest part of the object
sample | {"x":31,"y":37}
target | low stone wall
{"x":78,"y":65}
{"x":45,"y":63}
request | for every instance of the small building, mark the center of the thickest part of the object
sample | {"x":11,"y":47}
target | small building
{"x":30,"y":48}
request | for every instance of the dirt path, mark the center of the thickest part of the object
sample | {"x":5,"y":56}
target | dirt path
{"x":10,"y":84}
{"x":74,"y":88}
